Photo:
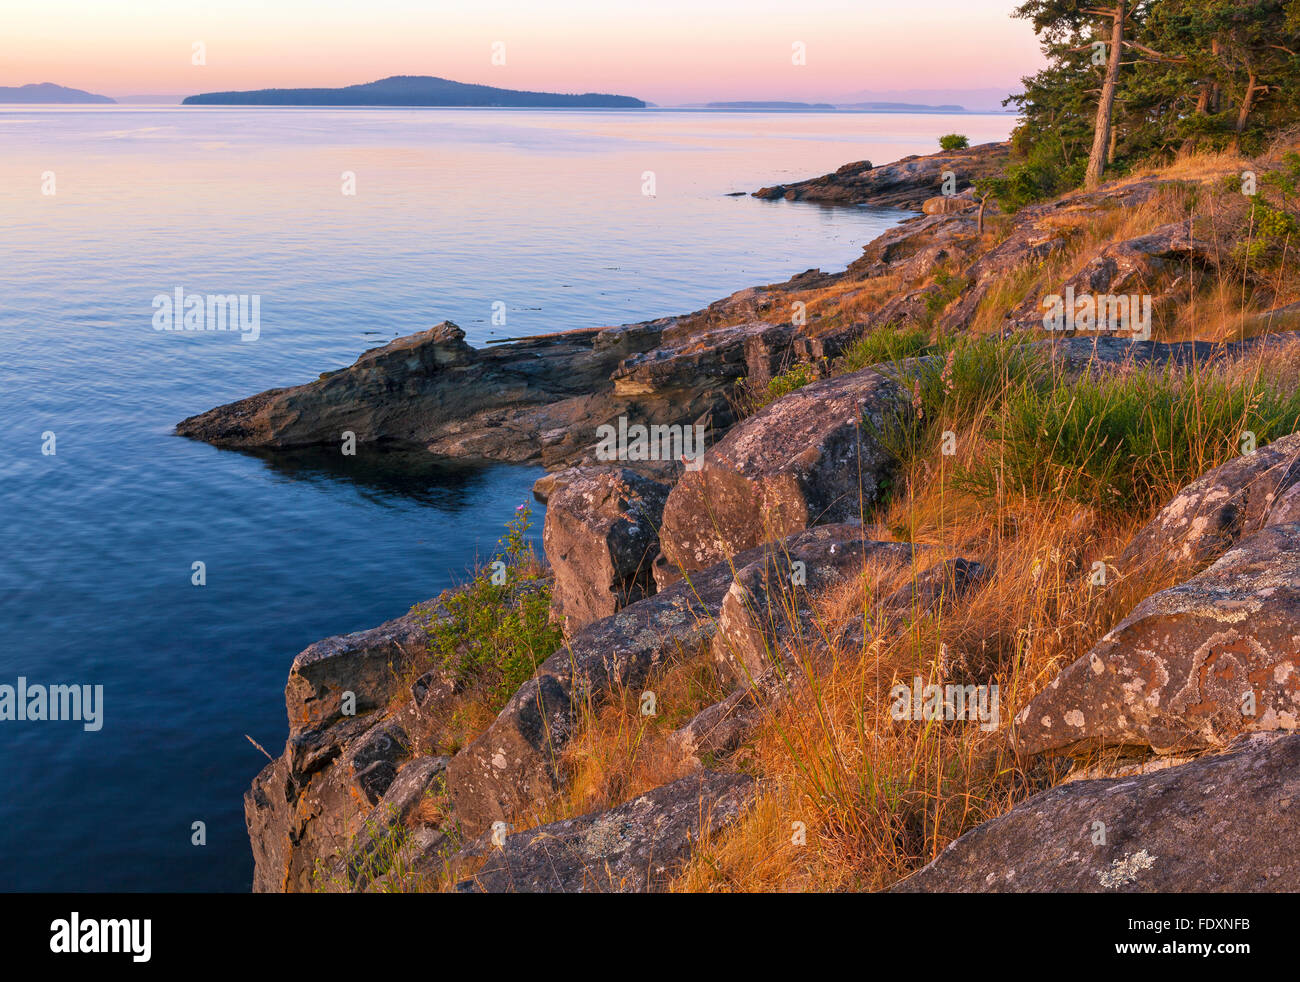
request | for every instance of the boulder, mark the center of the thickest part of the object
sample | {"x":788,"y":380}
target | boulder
{"x":601,"y":536}
{"x":767,"y":616}
{"x":1214,"y":825}
{"x":1191,"y":667}
{"x":1216,"y":510}
{"x":635,"y":848}
{"x":809,"y":458}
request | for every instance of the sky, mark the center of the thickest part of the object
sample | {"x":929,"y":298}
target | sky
{"x":668,"y":52}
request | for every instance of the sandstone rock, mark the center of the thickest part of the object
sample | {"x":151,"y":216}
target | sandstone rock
{"x":268,"y":815}
{"x":305,"y":808}
{"x":549,"y":484}
{"x":635,"y":848}
{"x":511,"y":768}
{"x":411,"y":390}
{"x":1213,"y":825}
{"x":717,"y":730}
{"x":946,"y":205}
{"x":1176,"y":674}
{"x":601,"y":536}
{"x":710,"y":358}
{"x":1217,"y":509}
{"x":534,"y":400}
{"x":412,"y":784}
{"x":937,"y":587}
{"x":809,"y":458}
{"x":767,"y":615}
{"x":367,"y":664}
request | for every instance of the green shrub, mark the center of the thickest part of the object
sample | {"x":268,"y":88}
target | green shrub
{"x":795,"y":377}
{"x":885,"y":344}
{"x":496,"y":629}
{"x":1274,"y":234}
{"x":749,"y":399}
{"x":953,"y":141}
{"x":952,"y":390}
{"x":1123,"y":443}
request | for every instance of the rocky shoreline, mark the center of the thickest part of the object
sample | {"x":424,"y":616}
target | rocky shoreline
{"x":650,"y":561}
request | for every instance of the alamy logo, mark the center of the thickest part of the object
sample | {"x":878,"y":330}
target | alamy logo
{"x":659,"y":442}
{"x":183,"y":311}
{"x":102,"y":936}
{"x":57,"y":703}
{"x":1102,"y":312}
{"x":973,"y":703}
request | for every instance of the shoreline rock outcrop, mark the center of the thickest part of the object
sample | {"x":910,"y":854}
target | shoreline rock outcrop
{"x":906,"y":183}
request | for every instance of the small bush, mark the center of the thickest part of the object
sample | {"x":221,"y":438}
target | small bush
{"x":953,"y":141}
{"x":749,"y":400}
{"x":794,"y":377}
{"x":497,"y":627}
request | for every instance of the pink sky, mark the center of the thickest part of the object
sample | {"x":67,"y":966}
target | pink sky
{"x":669,"y":52}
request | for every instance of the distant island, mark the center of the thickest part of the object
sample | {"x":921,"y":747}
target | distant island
{"x":902,"y":107}
{"x":48,"y":92}
{"x":768,"y":105}
{"x":415,"y":90}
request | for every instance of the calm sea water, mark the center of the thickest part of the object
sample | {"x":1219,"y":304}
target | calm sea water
{"x":454,"y":211}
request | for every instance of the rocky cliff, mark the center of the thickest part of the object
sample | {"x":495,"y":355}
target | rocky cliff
{"x":766,"y":600}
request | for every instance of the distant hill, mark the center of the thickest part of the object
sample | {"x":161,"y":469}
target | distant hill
{"x":414,"y":90}
{"x":49,"y":92}
{"x":979,"y":100}
{"x":768,"y":105}
{"x":901,"y":107}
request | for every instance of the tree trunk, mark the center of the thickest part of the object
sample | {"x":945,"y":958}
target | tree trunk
{"x":1246,"y":101}
{"x":1101,"y":131}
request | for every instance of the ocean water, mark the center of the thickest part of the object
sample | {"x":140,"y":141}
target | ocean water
{"x":544,"y":214}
